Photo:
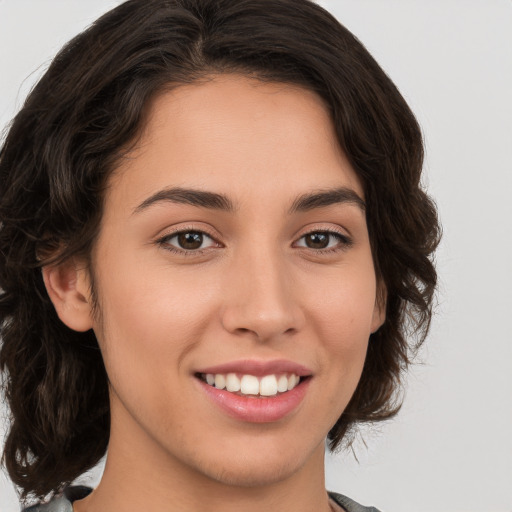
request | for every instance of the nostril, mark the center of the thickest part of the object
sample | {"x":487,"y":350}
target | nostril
{"x":264,"y":320}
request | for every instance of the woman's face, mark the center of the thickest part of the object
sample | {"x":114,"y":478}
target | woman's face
{"x":233,"y":251}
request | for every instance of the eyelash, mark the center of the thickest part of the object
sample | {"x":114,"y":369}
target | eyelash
{"x":164,"y":242}
{"x":344,"y":242}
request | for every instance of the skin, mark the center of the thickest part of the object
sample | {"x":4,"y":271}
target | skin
{"x":254,"y":290}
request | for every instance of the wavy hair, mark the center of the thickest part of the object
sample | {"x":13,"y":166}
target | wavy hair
{"x":74,"y":126}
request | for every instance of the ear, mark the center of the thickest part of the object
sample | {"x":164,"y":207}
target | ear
{"x":379,"y":310}
{"x":68,"y":286}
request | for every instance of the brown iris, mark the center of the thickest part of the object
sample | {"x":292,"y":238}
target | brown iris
{"x":317,"y":240}
{"x":190,"y":240}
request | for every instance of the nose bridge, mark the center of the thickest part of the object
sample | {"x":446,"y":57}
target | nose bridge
{"x":261,"y":297}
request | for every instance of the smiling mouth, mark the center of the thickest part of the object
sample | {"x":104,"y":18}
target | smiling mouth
{"x":252,"y":386}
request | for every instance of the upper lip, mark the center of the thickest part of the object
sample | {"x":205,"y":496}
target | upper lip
{"x":258,"y":368}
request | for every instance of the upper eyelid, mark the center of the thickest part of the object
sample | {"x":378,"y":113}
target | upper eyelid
{"x":164,"y":242}
{"x":325,"y":230}
{"x":341,"y":232}
{"x":342,"y":237}
{"x":177,"y":233}
{"x":169,"y":233}
{"x":332,"y":230}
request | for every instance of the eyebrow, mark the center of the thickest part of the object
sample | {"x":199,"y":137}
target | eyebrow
{"x":210,"y":200}
{"x":323,"y":198}
{"x":215,"y":201}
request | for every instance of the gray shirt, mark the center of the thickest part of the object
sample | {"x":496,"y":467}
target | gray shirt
{"x":63,"y":503}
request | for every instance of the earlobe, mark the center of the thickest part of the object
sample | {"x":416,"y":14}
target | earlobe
{"x":379,"y":310}
{"x":68,"y":288}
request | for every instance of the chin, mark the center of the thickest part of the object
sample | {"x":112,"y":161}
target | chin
{"x":260,"y":466}
{"x":256,"y":474}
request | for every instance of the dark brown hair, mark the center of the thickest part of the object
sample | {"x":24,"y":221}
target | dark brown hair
{"x":74,"y":126}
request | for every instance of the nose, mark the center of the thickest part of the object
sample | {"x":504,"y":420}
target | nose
{"x":261,"y":299}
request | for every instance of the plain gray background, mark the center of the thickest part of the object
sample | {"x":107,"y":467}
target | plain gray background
{"x":450,"y":449}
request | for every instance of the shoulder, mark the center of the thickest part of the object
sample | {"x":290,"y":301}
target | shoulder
{"x":62,"y":502}
{"x":350,"y":505}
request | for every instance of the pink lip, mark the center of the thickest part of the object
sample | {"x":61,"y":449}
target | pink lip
{"x":258,"y":368}
{"x":255,"y":409}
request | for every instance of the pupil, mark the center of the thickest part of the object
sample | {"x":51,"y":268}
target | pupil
{"x":190,"y":240}
{"x":317,"y":240}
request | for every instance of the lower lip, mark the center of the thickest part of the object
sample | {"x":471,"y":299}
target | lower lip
{"x":256,"y":409}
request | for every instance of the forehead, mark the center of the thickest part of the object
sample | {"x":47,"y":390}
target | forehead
{"x":236,"y":135}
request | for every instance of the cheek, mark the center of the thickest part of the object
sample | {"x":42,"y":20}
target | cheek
{"x":344,"y":308}
{"x":342,"y":317}
{"x":150,"y":321}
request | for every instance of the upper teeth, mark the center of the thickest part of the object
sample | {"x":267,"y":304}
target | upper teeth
{"x":269,"y":385}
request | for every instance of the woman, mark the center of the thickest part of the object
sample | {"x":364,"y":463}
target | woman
{"x":213,"y":246}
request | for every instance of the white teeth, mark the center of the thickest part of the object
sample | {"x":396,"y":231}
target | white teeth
{"x":293,"y":380}
{"x":250,"y":385}
{"x":282,"y":384}
{"x":268,"y":385}
{"x":220,"y":381}
{"x":232,"y":382}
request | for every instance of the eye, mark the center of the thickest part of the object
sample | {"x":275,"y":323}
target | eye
{"x":323,"y":240}
{"x":188,"y":241}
